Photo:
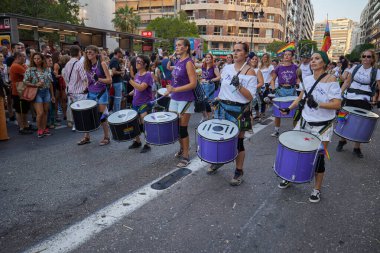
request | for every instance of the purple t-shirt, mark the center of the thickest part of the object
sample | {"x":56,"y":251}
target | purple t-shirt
{"x":208,"y":74}
{"x":94,"y":86}
{"x":287,"y":74}
{"x":143,"y":97}
{"x":180,"y":78}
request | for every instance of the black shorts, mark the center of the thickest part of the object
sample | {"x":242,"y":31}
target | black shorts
{"x":20,"y":105}
{"x":362,"y":104}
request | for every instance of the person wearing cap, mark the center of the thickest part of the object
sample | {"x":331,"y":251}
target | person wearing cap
{"x":117,"y":80}
{"x":318,"y":114}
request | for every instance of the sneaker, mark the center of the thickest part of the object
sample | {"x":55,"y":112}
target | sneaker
{"x":25,"y":131}
{"x":46,"y":132}
{"x":339,"y":148}
{"x":134,"y":145}
{"x":284,"y":184}
{"x":315,"y":196}
{"x":358,"y":152}
{"x":13,"y":118}
{"x":73,"y":129}
{"x":145,"y":149}
{"x":40,"y":133}
{"x":238,"y":178}
{"x":275,"y":134}
{"x":32,"y":128}
{"x":213,"y":168}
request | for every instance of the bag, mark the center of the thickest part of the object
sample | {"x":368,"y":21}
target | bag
{"x":62,"y":84}
{"x":199,"y":93}
{"x":301,"y":104}
{"x":20,"y":87}
{"x":29,"y":93}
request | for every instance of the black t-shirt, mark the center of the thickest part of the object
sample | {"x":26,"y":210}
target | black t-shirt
{"x":9,"y":61}
{"x":115,"y":64}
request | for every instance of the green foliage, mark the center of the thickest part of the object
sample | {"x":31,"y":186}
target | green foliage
{"x":306,"y":47}
{"x":126,"y":20}
{"x":275,"y":46}
{"x":61,"y":10}
{"x":173,"y":27}
{"x":356,"y":52}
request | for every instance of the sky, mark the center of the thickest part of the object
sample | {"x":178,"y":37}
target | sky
{"x":338,"y":9}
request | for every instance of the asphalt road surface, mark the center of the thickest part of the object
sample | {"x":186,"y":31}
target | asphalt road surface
{"x":56,"y":196}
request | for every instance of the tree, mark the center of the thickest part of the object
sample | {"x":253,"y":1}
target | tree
{"x":356,"y":52}
{"x":275,"y":46}
{"x":61,"y":10}
{"x":126,"y":20}
{"x":306,"y":47}
{"x":171,"y":28}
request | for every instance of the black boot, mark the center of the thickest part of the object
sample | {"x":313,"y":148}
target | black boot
{"x":358,"y":152}
{"x":339,"y":148}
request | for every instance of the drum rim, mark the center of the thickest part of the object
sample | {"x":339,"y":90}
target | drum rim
{"x":76,"y":109}
{"x":124,"y":121}
{"x":166,"y":143}
{"x":299,"y":150}
{"x":197,"y":133}
{"x":350,"y":139}
{"x":274,"y":170}
{"x":274,"y":99}
{"x":360,"y":115}
{"x":204,"y":160}
{"x":233,"y":137}
{"x":175,"y":119}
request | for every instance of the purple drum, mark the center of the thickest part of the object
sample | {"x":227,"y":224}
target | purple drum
{"x":161,"y":128}
{"x":357,"y":125}
{"x":217,"y":141}
{"x":283,"y":102}
{"x":296,"y":155}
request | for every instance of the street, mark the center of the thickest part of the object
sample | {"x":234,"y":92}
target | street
{"x":101,"y":197}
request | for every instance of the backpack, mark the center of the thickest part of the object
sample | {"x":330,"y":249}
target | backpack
{"x":372,"y":83}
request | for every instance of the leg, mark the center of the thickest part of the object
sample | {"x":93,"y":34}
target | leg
{"x":106,"y":138}
{"x":184,"y":122}
{"x":45,"y":113}
{"x":38,"y":107}
{"x":277,"y":123}
{"x":117,"y":98}
{"x":238,"y":176}
{"x":63,"y":102}
{"x":357,"y":151}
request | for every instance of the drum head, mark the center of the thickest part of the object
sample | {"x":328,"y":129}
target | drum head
{"x":299,"y":141}
{"x":218,"y":129}
{"x":162,"y":91}
{"x":285,"y":99}
{"x":361,"y":112}
{"x":160,"y":117}
{"x":83,"y":105}
{"x":122,"y":116}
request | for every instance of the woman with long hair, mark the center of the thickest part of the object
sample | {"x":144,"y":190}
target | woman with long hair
{"x":357,"y":90}
{"x":210,"y":75}
{"x":257,"y":101}
{"x":318,"y":114}
{"x":266,"y":68}
{"x":38,"y":75}
{"x":182,"y":96}
{"x":236,"y":93}
{"x":98,"y":77}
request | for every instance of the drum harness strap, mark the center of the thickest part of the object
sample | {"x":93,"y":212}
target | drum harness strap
{"x":371,"y":84}
{"x":236,"y":115}
{"x":326,"y":124}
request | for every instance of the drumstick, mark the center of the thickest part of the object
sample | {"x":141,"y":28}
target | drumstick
{"x":154,"y":101}
{"x":268,"y":101}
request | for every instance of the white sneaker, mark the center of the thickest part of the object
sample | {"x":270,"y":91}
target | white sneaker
{"x":73,"y":129}
{"x":275,"y":134}
{"x":315,"y":196}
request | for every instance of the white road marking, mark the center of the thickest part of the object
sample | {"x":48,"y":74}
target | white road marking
{"x":77,"y":234}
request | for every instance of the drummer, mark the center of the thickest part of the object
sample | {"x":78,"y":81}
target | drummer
{"x":318,"y":113}
{"x":98,"y":77}
{"x":142,"y":95}
{"x":287,"y":81}
{"x":357,"y":90}
{"x":235,"y":95}
{"x":182,"y":96}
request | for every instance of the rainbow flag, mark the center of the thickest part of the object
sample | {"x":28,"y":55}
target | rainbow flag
{"x":326,"y":43}
{"x":342,"y":116}
{"x":291,"y":46}
{"x":326,"y":151}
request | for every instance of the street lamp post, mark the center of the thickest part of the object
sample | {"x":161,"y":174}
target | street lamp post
{"x":245,"y":16}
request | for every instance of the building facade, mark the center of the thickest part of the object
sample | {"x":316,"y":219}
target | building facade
{"x":299,"y":20}
{"x":370,"y":24}
{"x":341,"y":36}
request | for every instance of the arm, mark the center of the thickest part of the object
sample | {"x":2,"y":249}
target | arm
{"x":346,"y":83}
{"x":56,"y":70}
{"x":217,"y":73}
{"x":169,"y":64}
{"x":260,"y":79}
{"x":244,"y":91}
{"x":28,"y":79}
{"x":190,"y":68}
{"x":139,"y":87}
{"x":272,"y":82}
{"x":108,"y":79}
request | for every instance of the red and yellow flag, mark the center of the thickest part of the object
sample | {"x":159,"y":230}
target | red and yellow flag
{"x":326,"y":43}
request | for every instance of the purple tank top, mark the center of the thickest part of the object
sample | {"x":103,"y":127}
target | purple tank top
{"x":180,"y":78}
{"x":287,"y":74}
{"x":94,"y":86}
{"x":208,"y":74}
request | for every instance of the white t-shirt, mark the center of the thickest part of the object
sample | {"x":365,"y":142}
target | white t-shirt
{"x":267,"y":73}
{"x":229,"y":92}
{"x":322,"y":93}
{"x":306,"y":70}
{"x":363,"y":76}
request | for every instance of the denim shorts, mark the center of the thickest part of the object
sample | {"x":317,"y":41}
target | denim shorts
{"x":103,"y":100}
{"x":209,"y":89}
{"x":43,"y":96}
{"x":140,"y":109}
{"x":234,"y":114}
{"x":282,"y":92}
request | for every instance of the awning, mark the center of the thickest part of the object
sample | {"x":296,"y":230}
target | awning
{"x":155,"y":3}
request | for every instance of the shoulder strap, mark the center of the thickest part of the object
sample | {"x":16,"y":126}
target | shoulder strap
{"x":100,"y":67}
{"x":373,"y":75}
{"x":72,"y":69}
{"x":247,"y":71}
{"x":355,"y":71}
{"x":314,"y":85}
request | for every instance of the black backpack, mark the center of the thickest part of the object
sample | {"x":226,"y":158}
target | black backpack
{"x":372,"y":83}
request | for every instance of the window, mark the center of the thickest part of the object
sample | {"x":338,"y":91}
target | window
{"x":202,"y":13}
{"x":262,"y":47}
{"x":220,"y":1}
{"x":226,"y":45}
{"x":218,"y":30}
{"x":232,"y":1}
{"x":256,"y":31}
{"x":243,"y":31}
{"x":230,"y":30}
{"x":190,"y":1}
{"x":269,"y":33}
{"x":215,"y":45}
{"x":202,"y":1}
{"x":202,"y":30}
{"x":270,"y":17}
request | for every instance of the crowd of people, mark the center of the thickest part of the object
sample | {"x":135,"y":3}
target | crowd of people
{"x":236,"y":88}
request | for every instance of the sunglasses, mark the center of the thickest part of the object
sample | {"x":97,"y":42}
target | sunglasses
{"x":367,"y":56}
{"x":90,"y":52}
{"x":139,"y":62}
